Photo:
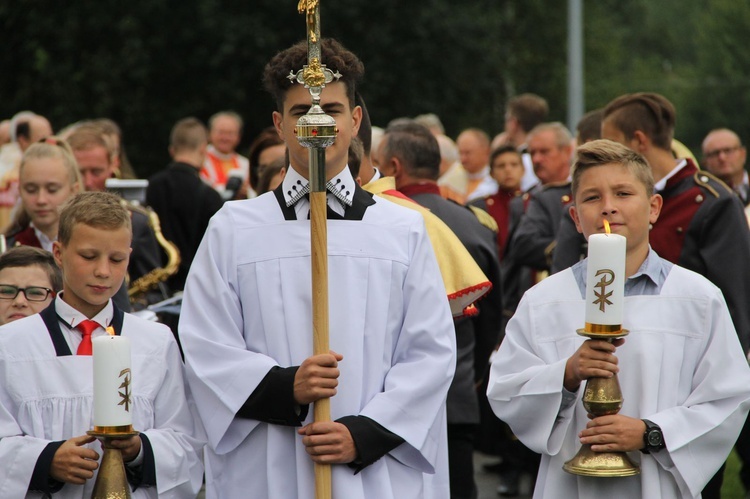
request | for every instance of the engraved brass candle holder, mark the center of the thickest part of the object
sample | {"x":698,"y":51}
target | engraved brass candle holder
{"x":111,"y":481}
{"x":602,"y":397}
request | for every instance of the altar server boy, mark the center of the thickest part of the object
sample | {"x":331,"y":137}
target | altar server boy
{"x":29,"y":280}
{"x":683,"y":375}
{"x":46,"y":370}
{"x":246,"y":327}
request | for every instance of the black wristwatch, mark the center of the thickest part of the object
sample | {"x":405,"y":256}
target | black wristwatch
{"x":653,"y":438}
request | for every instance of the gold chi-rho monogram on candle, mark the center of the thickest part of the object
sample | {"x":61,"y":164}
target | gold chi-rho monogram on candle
{"x":125,"y":395}
{"x":602,"y":295}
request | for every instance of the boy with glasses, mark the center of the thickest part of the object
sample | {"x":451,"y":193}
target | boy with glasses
{"x":29,"y":280}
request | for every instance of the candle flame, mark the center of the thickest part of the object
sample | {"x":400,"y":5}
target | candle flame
{"x":606,"y":227}
{"x":110,"y":330}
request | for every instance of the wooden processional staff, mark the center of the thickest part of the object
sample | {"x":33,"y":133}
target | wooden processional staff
{"x":316,"y":131}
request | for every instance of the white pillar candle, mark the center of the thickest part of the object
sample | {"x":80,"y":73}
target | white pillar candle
{"x":605,"y":282}
{"x":112,"y":381}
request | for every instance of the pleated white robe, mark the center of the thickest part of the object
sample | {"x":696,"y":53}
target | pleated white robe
{"x":681,"y":367}
{"x":45,"y":398}
{"x":247,"y":308}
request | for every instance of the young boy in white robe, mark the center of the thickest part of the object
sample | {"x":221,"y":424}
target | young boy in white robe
{"x":683,"y":375}
{"x":29,"y":280}
{"x":246,"y":327}
{"x":46,"y":369}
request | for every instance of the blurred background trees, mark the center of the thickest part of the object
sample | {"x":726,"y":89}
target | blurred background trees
{"x":147,"y":63}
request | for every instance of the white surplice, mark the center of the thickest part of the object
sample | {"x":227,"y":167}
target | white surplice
{"x":45,"y":398}
{"x":247,"y":308}
{"x":681,"y":367}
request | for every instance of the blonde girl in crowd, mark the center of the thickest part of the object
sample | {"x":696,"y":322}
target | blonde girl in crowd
{"x":48,"y":177}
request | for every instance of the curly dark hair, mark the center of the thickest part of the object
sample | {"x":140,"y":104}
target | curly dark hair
{"x":333,"y":55}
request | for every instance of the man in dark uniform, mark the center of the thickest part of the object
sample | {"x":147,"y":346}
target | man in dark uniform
{"x":410,"y":154}
{"x":589,"y":128}
{"x":522,"y":114}
{"x":183,"y":201}
{"x":702,"y":225}
{"x":533,"y":239}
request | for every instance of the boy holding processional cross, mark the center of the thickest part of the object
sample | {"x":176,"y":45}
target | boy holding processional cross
{"x":46,"y":396}
{"x":684,"y":378}
{"x":246,"y":327}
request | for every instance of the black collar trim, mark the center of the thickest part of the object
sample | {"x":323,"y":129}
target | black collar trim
{"x":52,"y":321}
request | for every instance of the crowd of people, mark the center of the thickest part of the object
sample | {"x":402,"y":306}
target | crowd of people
{"x":457,"y":283}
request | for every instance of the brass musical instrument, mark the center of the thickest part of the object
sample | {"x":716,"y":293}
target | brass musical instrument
{"x":152,"y":279}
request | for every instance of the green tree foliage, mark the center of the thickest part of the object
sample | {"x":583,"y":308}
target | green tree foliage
{"x":143,"y":63}
{"x":148,"y":63}
{"x":536,"y":45}
{"x":427,"y":57}
{"x":721,"y":96}
{"x":694,"y":53}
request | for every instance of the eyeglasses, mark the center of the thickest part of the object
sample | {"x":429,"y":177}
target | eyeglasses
{"x":725,"y":150}
{"x":32,"y":293}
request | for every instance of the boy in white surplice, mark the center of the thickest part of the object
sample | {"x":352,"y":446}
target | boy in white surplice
{"x":46,"y":370}
{"x":246,"y":327}
{"x":682,"y":371}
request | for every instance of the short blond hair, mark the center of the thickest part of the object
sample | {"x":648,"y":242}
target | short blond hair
{"x":605,"y":152}
{"x":188,"y":134}
{"x":89,"y":135}
{"x":101,"y":210}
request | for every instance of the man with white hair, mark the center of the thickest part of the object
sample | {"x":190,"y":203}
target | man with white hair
{"x":551,"y":153}
{"x":448,"y":153}
{"x":472,"y":179}
{"x":532,"y":241}
{"x":25,"y":128}
{"x":17,"y":134}
{"x":30,"y":130}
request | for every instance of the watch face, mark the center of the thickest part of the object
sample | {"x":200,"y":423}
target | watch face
{"x":654,"y":438}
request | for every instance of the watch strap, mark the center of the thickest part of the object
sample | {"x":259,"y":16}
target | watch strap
{"x":651,"y":427}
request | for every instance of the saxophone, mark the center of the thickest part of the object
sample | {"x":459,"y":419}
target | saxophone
{"x":152,"y":279}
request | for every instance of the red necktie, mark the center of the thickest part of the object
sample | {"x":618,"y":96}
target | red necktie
{"x":86,"y":328}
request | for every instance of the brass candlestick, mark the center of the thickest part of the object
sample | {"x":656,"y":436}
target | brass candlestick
{"x":601,"y":397}
{"x":111,"y":481}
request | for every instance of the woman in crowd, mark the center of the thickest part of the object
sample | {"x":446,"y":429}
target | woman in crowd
{"x":48,"y":176}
